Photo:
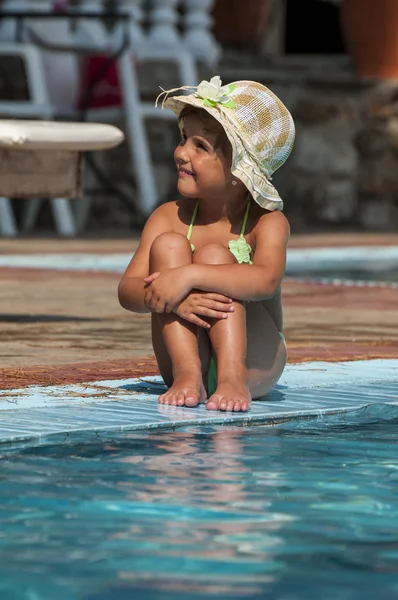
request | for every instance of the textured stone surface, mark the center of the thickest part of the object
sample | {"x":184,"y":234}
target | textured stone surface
{"x":344,"y":166}
{"x":316,"y":154}
{"x":377,"y":213}
{"x":337,"y":201}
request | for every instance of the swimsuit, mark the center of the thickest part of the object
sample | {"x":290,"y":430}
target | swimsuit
{"x":241,"y":251}
{"x":239,"y":248}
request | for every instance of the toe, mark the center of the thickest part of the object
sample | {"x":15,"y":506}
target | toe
{"x":230,"y":405}
{"x":213,"y":404}
{"x":180,"y":399}
{"x":237,"y":406}
{"x":223,"y":404}
{"x":191,"y":399}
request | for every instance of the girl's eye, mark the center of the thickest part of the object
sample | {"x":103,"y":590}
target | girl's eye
{"x":202,"y":146}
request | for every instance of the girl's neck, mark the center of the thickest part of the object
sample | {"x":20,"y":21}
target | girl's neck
{"x":225,"y":210}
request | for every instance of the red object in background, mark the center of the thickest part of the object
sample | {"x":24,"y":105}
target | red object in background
{"x":370,"y":30}
{"x":105,"y":91}
{"x":240,"y":23}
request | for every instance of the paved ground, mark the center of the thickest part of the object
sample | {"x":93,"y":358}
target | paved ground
{"x":61,"y":327}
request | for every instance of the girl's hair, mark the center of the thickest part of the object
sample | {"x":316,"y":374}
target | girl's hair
{"x":222,"y":142}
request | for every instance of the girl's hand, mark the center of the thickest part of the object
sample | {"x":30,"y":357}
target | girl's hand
{"x":165,"y":290}
{"x":205,"y":304}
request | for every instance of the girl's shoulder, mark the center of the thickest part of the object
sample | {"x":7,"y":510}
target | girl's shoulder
{"x":174,"y":215}
{"x":177,"y":212}
{"x":262,"y":215}
{"x":165,"y":209}
{"x":267,"y":220}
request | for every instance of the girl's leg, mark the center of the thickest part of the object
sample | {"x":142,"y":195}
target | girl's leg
{"x":247,"y":346}
{"x":266,"y":351}
{"x":228,"y":342}
{"x":174,"y":339}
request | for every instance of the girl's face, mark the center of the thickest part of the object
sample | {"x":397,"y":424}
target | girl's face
{"x":204,"y":169}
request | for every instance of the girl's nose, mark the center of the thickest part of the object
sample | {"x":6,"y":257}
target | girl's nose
{"x":181,"y":153}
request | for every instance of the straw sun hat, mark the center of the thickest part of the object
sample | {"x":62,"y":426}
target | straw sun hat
{"x":257,"y":124}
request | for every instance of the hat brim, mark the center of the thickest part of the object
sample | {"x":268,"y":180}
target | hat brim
{"x":244,"y":166}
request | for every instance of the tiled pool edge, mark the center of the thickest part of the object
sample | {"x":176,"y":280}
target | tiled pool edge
{"x":60,"y":415}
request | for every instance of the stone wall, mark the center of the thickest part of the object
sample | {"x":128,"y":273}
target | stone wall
{"x":343,"y":171}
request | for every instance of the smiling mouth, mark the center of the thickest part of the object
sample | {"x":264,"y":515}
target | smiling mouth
{"x":185,"y":172}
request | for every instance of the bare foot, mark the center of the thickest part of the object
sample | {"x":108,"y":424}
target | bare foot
{"x":231,"y":395}
{"x":187,"y":390}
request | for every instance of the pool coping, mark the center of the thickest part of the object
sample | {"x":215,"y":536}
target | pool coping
{"x":63,"y":414}
{"x":299,"y":260}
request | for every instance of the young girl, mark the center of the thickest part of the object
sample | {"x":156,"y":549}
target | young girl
{"x":209,"y":268}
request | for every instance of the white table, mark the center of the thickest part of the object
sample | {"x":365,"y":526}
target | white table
{"x":42,"y":159}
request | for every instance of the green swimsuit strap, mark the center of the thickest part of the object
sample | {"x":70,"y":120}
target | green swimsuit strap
{"x":195,"y":212}
{"x":245,"y":218}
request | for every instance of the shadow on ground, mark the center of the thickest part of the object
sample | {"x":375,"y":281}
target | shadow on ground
{"x":18,"y":318}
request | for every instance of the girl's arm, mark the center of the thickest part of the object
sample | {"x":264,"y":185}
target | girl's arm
{"x":255,"y":282}
{"x":132,"y":286}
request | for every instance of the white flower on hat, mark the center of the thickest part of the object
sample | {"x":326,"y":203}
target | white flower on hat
{"x":213,"y":92}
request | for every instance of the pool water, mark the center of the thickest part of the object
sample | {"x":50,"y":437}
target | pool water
{"x":376,"y":275}
{"x":306,"y":510}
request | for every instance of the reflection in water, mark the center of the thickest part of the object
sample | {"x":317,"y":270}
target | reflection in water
{"x":265,"y":512}
{"x":202,"y":476}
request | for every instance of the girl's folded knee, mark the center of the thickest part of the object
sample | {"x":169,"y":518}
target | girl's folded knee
{"x":169,"y":241}
{"x":213,"y":254}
